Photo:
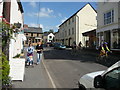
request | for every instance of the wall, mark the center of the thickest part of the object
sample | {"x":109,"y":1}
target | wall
{"x":102,"y":8}
{"x":16,"y":44}
{"x":16,"y":15}
{"x":86,"y":20}
{"x":1,"y":10}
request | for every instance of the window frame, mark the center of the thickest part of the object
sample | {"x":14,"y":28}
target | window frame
{"x":109,"y":19}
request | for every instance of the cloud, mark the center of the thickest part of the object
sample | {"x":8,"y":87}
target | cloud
{"x":63,"y":19}
{"x":33,"y":4}
{"x":44,"y":12}
{"x":35,"y":25}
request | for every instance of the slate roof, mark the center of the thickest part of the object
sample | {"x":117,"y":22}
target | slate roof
{"x":33,"y":30}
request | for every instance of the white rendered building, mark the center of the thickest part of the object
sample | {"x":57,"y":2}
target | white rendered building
{"x":108,"y":20}
{"x":82,"y":21}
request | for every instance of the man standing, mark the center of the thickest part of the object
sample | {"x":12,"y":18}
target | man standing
{"x":39,"y":49}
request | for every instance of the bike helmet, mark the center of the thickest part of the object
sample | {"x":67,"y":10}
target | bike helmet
{"x":105,"y":43}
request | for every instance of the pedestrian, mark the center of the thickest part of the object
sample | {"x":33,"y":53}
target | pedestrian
{"x":80,"y":45}
{"x":39,"y":49}
{"x":74,"y":45}
{"x":30,"y":51}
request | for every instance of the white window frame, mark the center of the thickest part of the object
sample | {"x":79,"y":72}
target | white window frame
{"x":106,"y":18}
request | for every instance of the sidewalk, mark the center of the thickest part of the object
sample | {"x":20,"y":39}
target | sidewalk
{"x":35,"y":77}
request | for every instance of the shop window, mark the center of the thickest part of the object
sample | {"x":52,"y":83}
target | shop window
{"x":72,"y":30}
{"x":116,"y":39}
{"x":37,"y":34}
{"x":31,"y":34}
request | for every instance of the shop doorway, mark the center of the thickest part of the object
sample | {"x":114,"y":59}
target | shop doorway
{"x":107,"y":38}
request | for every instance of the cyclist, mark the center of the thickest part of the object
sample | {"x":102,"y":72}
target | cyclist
{"x":104,"y":49}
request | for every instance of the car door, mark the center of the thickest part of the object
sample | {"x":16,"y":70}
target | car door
{"x":112,"y":79}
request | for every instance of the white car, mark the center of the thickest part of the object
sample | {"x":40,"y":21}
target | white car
{"x":102,"y":80}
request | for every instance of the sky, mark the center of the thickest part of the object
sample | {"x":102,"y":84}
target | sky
{"x":49,"y":15}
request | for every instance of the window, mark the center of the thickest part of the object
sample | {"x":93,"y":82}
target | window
{"x":31,"y":34}
{"x":69,"y":32}
{"x":109,"y":17}
{"x":116,"y":39}
{"x":72,"y":19}
{"x":69,"y":22}
{"x":72,"y":30}
{"x":112,"y":79}
{"x":65,"y":33}
{"x":50,"y":37}
{"x":37,"y":34}
{"x":66,"y":24}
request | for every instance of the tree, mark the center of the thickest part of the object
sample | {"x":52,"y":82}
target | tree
{"x":51,"y":31}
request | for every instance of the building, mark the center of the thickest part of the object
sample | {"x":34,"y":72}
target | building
{"x":91,"y":37}
{"x":12,"y":14}
{"x":48,"y":37}
{"x":108,"y":27}
{"x":82,"y":21}
{"x":1,"y":10}
{"x":33,"y":35}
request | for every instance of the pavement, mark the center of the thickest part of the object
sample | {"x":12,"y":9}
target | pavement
{"x":35,"y":77}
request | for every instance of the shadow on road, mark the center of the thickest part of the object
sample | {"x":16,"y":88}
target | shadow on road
{"x":79,"y":55}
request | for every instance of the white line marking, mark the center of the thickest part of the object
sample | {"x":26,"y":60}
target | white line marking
{"x":53,"y":84}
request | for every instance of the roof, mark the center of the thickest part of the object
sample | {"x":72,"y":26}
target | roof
{"x":77,"y":12}
{"x":20,"y":6}
{"x":33,"y":30}
{"x":89,"y":32}
{"x":46,"y":34}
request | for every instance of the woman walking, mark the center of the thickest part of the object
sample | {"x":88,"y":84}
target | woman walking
{"x":39,"y":49}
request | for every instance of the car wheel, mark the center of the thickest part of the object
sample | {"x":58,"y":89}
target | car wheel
{"x":81,"y":87}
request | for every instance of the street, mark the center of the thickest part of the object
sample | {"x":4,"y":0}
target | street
{"x":66,"y":69}
{"x":59,"y":69}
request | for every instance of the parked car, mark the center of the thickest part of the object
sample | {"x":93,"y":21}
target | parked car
{"x":104,"y":80}
{"x":59,"y":46}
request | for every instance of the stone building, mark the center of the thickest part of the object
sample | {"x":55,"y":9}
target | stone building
{"x":33,"y":35}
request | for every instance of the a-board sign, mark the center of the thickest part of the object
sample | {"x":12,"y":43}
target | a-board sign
{"x":17,"y":69}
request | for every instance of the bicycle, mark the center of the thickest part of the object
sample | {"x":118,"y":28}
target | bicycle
{"x":104,"y":57}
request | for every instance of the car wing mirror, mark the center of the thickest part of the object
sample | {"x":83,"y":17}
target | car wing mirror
{"x":98,"y":82}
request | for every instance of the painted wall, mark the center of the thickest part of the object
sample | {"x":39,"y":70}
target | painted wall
{"x":16,"y":44}
{"x":103,"y":8}
{"x":16,"y":15}
{"x":1,"y":9}
{"x":48,"y":37}
{"x":87,"y":21}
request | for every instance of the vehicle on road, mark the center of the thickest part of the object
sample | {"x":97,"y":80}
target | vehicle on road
{"x":102,"y":80}
{"x":59,"y":46}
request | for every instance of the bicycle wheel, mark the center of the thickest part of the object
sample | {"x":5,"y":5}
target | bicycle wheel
{"x":97,"y":58}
